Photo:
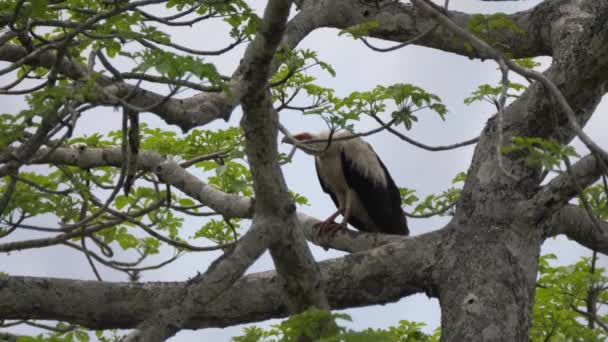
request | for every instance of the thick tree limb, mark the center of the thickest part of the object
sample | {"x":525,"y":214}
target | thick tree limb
{"x":167,"y":170}
{"x":228,"y":204}
{"x":400,"y":22}
{"x":536,"y":112}
{"x":274,"y":208}
{"x":575,"y":223}
{"x":381,"y":275}
{"x":185,"y":113}
{"x":346,"y":240}
{"x":179,"y":306}
{"x":495,"y":54}
{"x":294,"y":262}
{"x":561,"y":189}
{"x":298,"y":273}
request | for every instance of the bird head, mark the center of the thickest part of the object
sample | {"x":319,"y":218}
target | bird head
{"x":314,"y":147}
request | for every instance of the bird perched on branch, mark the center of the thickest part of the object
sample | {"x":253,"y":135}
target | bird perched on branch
{"x":356,"y":180}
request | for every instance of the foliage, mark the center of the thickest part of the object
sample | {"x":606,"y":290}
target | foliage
{"x":112,"y":32}
{"x":360,"y":30}
{"x":310,"y":323}
{"x":562,"y":296}
{"x":50,"y":192}
{"x":490,"y":94}
{"x":64,"y":334}
{"x":176,"y":67}
{"x":219,"y":231}
{"x":597,"y":197}
{"x":539,"y":152}
{"x":407,"y":98}
{"x":292,"y":80}
{"x":487,"y":27}
{"x":528,"y":63}
{"x":560,"y":290}
{"x":432,"y":203}
{"x":72,"y":334}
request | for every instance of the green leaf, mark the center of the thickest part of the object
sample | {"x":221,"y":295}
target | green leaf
{"x":126,"y":240}
{"x":121,"y":201}
{"x":487,"y":27}
{"x":217,"y":231}
{"x":360,"y":30}
{"x":491,"y":94}
{"x":540,"y":153}
{"x":39,"y":7}
{"x":186,"y":202}
{"x":299,"y":199}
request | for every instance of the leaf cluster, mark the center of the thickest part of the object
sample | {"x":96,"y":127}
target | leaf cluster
{"x":313,"y":324}
{"x":487,"y":27}
{"x":562,"y":293}
{"x":361,"y":30}
{"x":406,"y":98}
{"x":490,"y":94}
{"x":540,"y":153}
{"x":433,"y":203}
{"x":597,"y":198}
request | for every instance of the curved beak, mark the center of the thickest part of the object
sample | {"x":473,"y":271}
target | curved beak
{"x":286,"y":140}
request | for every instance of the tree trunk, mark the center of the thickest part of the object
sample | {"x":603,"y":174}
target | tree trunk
{"x":487,"y":280}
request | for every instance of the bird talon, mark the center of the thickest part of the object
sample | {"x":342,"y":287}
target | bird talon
{"x":328,"y":228}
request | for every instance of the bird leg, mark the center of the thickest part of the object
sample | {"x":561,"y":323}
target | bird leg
{"x":347,"y":207}
{"x":326,"y":225}
{"x":329,"y":227}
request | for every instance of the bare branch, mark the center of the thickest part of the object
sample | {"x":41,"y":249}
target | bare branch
{"x":58,"y":239}
{"x":381,"y":275}
{"x":561,"y":189}
{"x":346,"y":240}
{"x":167,"y":170}
{"x":424,"y":146}
{"x":574,"y":222}
{"x":185,"y":113}
{"x":400,"y":22}
{"x":168,"y":320}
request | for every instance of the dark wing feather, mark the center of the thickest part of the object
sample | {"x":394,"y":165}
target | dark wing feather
{"x":383,"y":204}
{"x":325,"y":187}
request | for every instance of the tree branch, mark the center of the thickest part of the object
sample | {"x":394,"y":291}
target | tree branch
{"x":561,"y":189}
{"x":378,"y":276}
{"x":297,"y":271}
{"x":178,"y":307}
{"x":495,"y":54}
{"x":575,"y":223}
{"x":346,"y":240}
{"x":185,"y":113}
{"x":401,"y":22}
{"x":167,"y":170}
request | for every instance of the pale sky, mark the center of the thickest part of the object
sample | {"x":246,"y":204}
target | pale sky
{"x":447,"y":75}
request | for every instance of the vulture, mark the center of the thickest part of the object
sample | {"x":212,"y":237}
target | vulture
{"x":358,"y":183}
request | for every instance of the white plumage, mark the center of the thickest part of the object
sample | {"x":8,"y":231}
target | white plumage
{"x":358,"y":183}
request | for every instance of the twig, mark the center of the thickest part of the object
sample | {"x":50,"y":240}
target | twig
{"x":401,"y":45}
{"x":435,"y":213}
{"x":219,"y":154}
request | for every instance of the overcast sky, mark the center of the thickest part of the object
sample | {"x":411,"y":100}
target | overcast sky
{"x":447,"y":75}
